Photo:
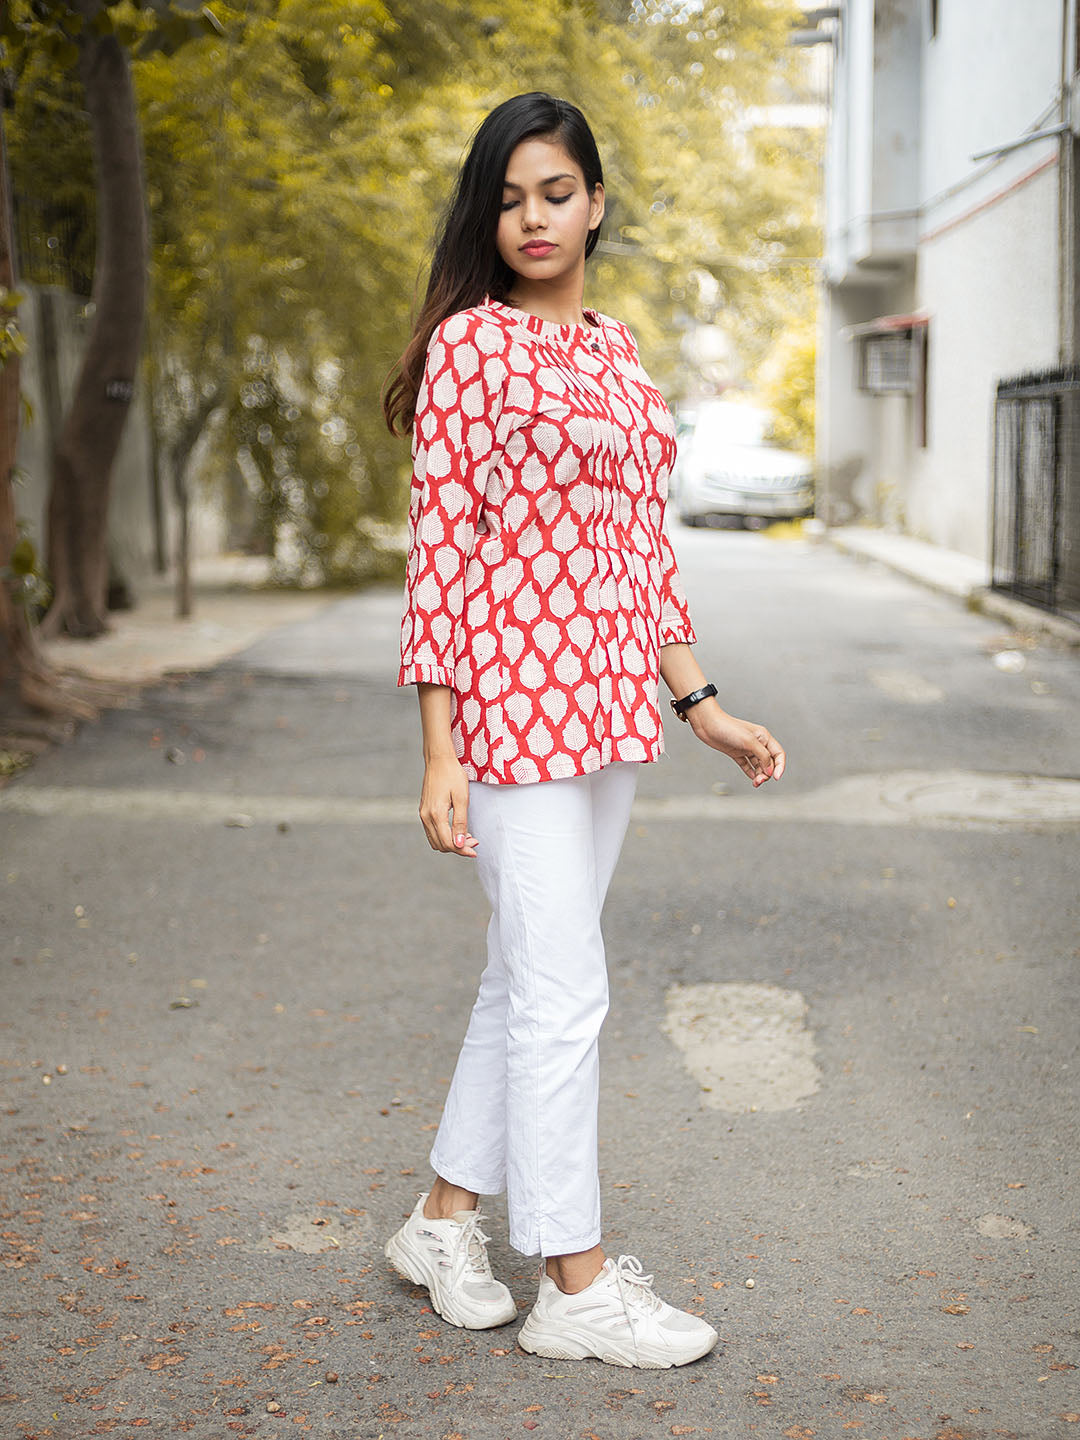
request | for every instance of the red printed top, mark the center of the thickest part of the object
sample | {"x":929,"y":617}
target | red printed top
{"x":540,"y":583}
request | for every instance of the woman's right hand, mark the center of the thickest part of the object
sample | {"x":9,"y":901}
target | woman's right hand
{"x":444,"y":807}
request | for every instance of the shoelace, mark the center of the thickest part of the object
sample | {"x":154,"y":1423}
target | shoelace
{"x":474,"y":1240}
{"x":635,"y":1290}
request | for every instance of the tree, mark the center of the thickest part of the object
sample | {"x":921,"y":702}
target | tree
{"x":90,"y":438}
{"x":26,"y":680}
{"x":295,"y":175}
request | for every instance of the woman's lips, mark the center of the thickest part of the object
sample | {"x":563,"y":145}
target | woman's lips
{"x":537,"y":248}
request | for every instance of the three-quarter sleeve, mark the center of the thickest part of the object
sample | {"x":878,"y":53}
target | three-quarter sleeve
{"x":455,"y":445}
{"x":675,"y":623}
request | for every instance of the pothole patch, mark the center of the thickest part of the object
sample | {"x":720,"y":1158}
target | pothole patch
{"x":906,"y":686}
{"x":746,"y":1045}
{"x":314,"y":1235}
{"x":1003,"y":1227}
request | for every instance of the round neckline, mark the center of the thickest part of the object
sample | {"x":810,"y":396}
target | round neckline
{"x":548,"y":329}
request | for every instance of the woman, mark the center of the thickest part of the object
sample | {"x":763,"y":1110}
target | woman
{"x":542,"y":604}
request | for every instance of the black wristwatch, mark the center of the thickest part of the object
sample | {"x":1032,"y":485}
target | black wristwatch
{"x":681,"y":706}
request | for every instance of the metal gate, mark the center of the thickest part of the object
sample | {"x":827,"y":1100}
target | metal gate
{"x":1036,"y":514}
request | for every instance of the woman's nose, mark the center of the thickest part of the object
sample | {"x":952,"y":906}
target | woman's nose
{"x":531,"y":214}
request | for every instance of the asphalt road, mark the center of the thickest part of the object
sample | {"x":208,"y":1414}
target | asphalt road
{"x":840,"y":1061}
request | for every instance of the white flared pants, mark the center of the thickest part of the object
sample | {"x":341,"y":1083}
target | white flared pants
{"x":522,"y":1107}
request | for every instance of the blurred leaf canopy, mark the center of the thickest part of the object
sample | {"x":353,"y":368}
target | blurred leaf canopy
{"x":299,"y":154}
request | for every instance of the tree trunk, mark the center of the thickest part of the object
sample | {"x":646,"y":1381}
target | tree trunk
{"x":17,"y":647}
{"x":180,"y":456}
{"x":83,"y":461}
{"x":26,"y":679}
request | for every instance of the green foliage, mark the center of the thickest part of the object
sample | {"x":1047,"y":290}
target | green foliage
{"x":786,"y":386}
{"x":12,"y":340}
{"x":297,"y":163}
{"x":23,"y":575}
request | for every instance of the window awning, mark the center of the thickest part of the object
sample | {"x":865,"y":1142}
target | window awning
{"x":886,"y":325}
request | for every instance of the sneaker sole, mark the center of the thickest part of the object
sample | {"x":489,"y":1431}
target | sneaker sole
{"x":410,"y":1266}
{"x":568,"y":1344}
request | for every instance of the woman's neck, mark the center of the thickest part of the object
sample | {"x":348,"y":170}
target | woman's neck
{"x":557,"y":301}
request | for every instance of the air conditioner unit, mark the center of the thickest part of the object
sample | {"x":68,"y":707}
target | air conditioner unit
{"x":890,"y":353}
{"x":887,"y":363}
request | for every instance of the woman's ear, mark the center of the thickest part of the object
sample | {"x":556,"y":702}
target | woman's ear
{"x":596,"y":206}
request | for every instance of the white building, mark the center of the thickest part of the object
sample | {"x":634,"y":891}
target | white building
{"x":950,"y":252}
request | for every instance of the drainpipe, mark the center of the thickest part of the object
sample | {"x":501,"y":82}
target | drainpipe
{"x":1069,"y":191}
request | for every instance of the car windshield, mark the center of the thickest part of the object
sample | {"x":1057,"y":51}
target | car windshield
{"x":730,"y":425}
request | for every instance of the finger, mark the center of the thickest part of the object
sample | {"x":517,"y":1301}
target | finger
{"x":429,"y":825}
{"x":440,"y":821}
{"x":760,"y":751}
{"x":459,"y":799}
{"x":778,"y":757}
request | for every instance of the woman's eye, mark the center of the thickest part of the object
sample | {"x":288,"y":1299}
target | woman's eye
{"x":552,"y":200}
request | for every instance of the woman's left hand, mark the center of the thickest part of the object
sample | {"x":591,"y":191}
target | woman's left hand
{"x":753,"y":749}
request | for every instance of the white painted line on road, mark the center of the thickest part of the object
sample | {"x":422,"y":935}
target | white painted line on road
{"x":199,"y":805}
{"x":945,"y":799}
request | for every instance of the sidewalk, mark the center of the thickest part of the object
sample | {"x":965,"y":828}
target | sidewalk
{"x":233,"y":606}
{"x":951,"y":573}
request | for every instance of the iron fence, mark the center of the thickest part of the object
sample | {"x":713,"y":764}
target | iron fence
{"x":1036,"y":499}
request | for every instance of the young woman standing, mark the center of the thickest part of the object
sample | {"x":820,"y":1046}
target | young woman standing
{"x":542,"y":605}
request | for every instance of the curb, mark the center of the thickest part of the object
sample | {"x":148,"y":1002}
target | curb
{"x":950,"y":573}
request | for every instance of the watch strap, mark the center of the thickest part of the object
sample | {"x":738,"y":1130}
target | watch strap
{"x":681,"y":706}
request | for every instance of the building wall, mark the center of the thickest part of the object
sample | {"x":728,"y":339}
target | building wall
{"x":872,"y":164}
{"x":990,"y":284}
{"x":982,"y":259}
{"x":853,"y":481}
{"x":990,"y":74}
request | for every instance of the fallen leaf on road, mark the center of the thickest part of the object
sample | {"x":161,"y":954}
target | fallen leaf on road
{"x":163,"y":1358}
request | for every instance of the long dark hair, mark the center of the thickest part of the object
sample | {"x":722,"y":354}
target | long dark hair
{"x":467,"y":266}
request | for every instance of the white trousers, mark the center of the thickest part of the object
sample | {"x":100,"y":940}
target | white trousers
{"x":521,"y":1112}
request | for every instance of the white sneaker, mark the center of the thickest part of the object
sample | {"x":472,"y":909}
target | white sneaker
{"x":618,"y":1318}
{"x":449,"y":1258}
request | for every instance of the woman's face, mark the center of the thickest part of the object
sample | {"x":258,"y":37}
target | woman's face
{"x":547,"y":212}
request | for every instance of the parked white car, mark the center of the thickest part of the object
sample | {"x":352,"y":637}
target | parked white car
{"x":725,"y":468}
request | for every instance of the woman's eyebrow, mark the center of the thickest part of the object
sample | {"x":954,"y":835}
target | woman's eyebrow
{"x":509,"y":185}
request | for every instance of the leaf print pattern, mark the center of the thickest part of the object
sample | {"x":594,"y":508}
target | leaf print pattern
{"x":540,"y":583}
